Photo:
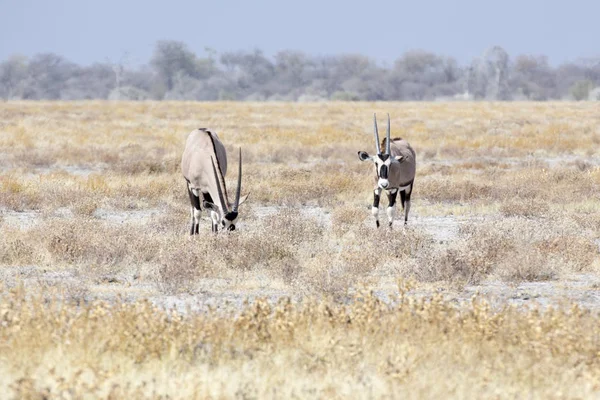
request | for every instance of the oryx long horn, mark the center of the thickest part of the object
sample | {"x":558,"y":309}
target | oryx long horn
{"x":239,"y":185}
{"x":387,"y":142}
{"x":376,"y":134}
{"x":221,"y":197}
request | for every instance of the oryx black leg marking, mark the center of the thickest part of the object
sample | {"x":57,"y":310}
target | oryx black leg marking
{"x":391,"y":195}
{"x":402,"y":198}
{"x":192,"y":223}
{"x":407,"y":207}
{"x":375,"y":209}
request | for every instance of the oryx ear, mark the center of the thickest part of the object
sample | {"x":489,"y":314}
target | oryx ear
{"x":210,"y":206}
{"x":244,"y":198}
{"x":363,"y":156}
{"x":399,"y":159}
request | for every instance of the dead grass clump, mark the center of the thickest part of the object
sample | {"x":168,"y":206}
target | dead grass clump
{"x":181,"y":265}
{"x":465,"y":261}
{"x":588,"y":221}
{"x":136,"y":159}
{"x":437,"y":188}
{"x":345,"y":217}
{"x":524,"y":249}
{"x":86,"y":206}
{"x":143,"y":166}
{"x":529,"y":207}
{"x":575,"y":251}
{"x":296,"y":227}
{"x":38,"y":158}
{"x":514,"y":249}
{"x":525,"y":264}
{"x":277,"y":244}
{"x":16,"y":249}
{"x":18,"y":194}
{"x":97,"y":247}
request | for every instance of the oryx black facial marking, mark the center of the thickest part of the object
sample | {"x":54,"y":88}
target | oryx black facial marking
{"x":395,"y":163}
{"x":383,"y":172}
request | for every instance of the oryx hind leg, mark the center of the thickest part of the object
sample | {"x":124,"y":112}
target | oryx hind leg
{"x":405,"y":197}
{"x":375,"y":208}
{"x":194,"y":211}
{"x":391,"y":209}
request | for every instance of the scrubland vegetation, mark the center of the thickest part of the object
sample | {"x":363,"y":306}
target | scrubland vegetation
{"x":94,"y":219}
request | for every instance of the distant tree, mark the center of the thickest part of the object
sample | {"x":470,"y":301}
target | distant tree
{"x":533,"y":78}
{"x":581,"y":89}
{"x":13,"y":73}
{"x":421,"y":75}
{"x":567,"y":75}
{"x":476,"y":79}
{"x":47,"y":76}
{"x":496,"y":60}
{"x":93,"y":82}
{"x":247,"y":72}
{"x":594,"y":94}
{"x":172,"y":58}
{"x":488,"y":75}
{"x":292,"y":70}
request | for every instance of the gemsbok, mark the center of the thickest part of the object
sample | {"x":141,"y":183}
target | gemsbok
{"x":204,"y":166}
{"x":395,"y":167}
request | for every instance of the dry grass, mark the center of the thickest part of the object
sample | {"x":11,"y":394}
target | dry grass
{"x":416,"y":348}
{"x":92,"y":201}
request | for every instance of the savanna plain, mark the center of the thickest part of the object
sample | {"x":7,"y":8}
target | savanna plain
{"x":490,"y":291}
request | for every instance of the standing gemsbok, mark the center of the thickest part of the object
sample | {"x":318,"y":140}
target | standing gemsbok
{"x":395,"y":167}
{"x":204,"y":166}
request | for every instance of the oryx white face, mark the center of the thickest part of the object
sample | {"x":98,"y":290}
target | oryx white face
{"x":229,"y":220}
{"x":226,"y":221}
{"x":223,"y":221}
{"x":383,"y":163}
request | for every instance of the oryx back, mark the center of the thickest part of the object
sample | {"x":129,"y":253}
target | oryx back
{"x":401,"y":174}
{"x":201,"y":147}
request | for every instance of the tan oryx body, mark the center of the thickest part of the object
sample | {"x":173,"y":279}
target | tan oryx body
{"x":204,"y":166}
{"x":395,"y":168}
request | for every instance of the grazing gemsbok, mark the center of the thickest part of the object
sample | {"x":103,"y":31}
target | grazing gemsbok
{"x":204,"y":166}
{"x":394,"y":172}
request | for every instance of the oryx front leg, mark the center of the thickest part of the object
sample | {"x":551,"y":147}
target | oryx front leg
{"x":391,"y":209}
{"x":375,"y":209}
{"x":214,"y":218}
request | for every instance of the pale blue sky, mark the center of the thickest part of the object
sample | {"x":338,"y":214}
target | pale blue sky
{"x":89,"y":31}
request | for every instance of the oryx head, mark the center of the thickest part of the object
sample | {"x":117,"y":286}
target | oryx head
{"x":225,"y":214}
{"x":382,"y":161}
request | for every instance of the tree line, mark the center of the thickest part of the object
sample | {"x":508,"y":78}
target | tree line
{"x":176,"y":73}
